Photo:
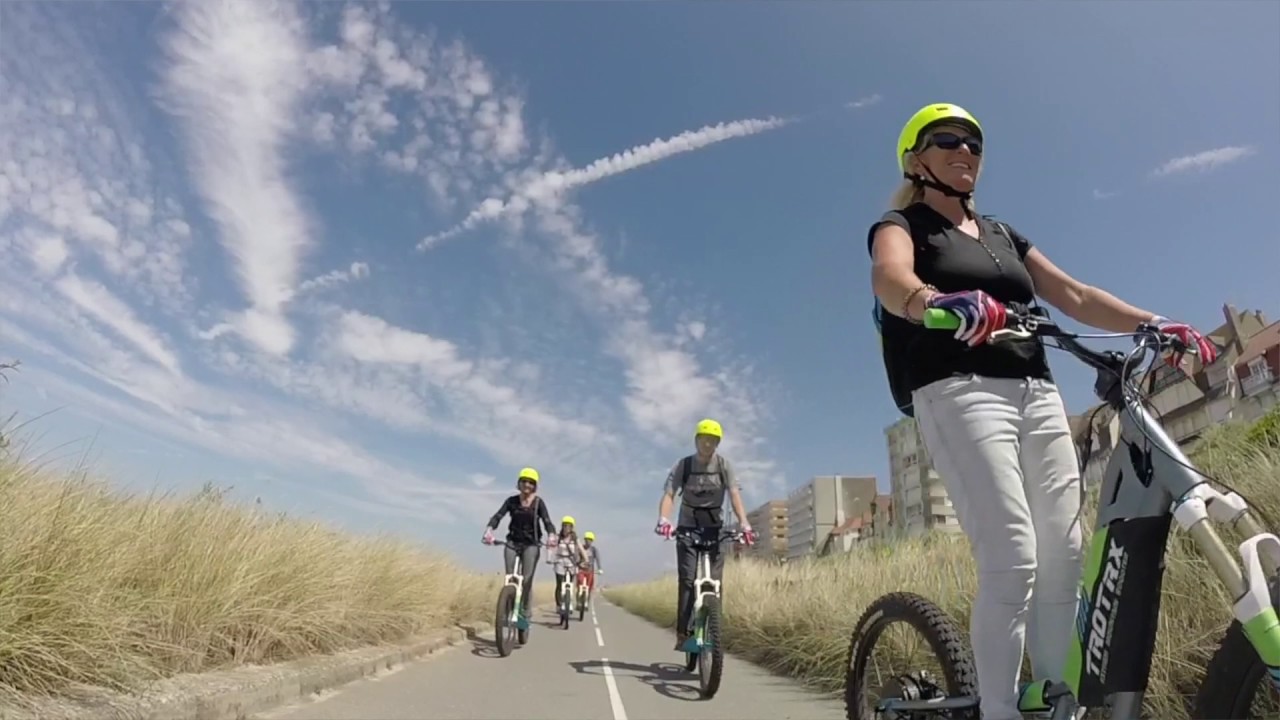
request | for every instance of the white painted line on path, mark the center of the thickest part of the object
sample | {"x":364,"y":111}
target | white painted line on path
{"x":615,"y":700}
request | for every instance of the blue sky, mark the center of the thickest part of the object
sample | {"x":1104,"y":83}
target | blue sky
{"x":227,"y":252}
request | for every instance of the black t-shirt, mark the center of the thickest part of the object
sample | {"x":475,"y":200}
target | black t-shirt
{"x":523,"y":527}
{"x":953,"y":261}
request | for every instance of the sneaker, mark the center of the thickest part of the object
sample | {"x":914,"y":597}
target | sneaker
{"x":1031,"y":697}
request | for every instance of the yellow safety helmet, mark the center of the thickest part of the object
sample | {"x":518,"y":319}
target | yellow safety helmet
{"x":588,"y":535}
{"x":709,"y":427}
{"x":566,"y":520}
{"x":925,"y":119}
{"x":528,"y":474}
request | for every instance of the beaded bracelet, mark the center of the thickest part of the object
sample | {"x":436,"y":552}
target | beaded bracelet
{"x":906,"y":303}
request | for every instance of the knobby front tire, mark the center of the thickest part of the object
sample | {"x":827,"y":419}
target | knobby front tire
{"x":711,"y":659}
{"x":503,"y":629}
{"x":1234,"y":676}
{"x":937,"y":628}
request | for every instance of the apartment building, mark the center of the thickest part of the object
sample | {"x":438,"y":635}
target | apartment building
{"x":820,"y":506}
{"x":874,"y":523}
{"x":1257,"y":374}
{"x":920,"y":501}
{"x":1190,"y":404}
{"x":770,"y":523}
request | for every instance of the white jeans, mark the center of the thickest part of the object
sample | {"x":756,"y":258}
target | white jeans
{"x":1003,"y":449}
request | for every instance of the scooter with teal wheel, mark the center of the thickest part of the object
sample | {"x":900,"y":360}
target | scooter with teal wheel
{"x":703,"y":649}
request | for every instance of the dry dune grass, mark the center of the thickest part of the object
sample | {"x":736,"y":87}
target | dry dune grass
{"x":797,"y":618}
{"x":105,"y":589}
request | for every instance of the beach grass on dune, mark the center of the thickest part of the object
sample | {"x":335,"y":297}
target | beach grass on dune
{"x":105,"y":589}
{"x":797,"y":618}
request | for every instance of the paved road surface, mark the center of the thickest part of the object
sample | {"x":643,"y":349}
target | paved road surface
{"x":612,"y":666}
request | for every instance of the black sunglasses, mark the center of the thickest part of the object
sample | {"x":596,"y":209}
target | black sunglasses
{"x":951,"y":141}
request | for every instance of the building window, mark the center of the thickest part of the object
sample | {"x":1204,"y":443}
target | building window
{"x":1258,"y":368}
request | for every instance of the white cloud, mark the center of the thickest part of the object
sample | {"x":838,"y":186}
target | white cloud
{"x":1204,"y":161}
{"x":236,"y":77}
{"x":75,"y":181}
{"x":367,"y":389}
{"x":1103,"y":195}
{"x":457,"y":125}
{"x":48,"y":253}
{"x":667,"y":388}
{"x":863,"y":102}
{"x":357,"y":271}
{"x":109,"y":310}
{"x":548,"y":186}
{"x":481,"y":405}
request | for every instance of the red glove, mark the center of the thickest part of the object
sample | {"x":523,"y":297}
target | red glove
{"x":748,"y":535}
{"x":665,"y":528}
{"x":1189,"y":337}
{"x":980,"y":314}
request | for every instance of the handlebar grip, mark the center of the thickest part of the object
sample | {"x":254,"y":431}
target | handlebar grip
{"x":940,"y":319}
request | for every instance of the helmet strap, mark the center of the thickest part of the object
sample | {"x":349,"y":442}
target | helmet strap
{"x":934,"y":183}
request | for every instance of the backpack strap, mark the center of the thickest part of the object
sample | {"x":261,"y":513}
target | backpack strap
{"x":686,"y":469}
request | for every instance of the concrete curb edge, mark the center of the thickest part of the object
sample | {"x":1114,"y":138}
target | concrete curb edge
{"x":239,"y":693}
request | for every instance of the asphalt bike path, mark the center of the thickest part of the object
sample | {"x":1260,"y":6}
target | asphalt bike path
{"x":612,"y":666}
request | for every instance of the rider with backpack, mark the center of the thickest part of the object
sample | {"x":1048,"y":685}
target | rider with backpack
{"x":990,"y":414}
{"x":702,"y":480}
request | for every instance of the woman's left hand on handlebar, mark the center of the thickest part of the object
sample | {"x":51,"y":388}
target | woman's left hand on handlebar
{"x":1189,"y":337}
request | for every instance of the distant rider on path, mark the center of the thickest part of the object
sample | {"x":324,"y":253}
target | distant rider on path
{"x":703,"y":480}
{"x":527,"y":511}
{"x":588,"y":573}
{"x":568,"y":557}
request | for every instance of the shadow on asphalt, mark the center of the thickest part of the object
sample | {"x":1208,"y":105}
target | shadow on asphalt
{"x":484,"y":647}
{"x":662,"y":677}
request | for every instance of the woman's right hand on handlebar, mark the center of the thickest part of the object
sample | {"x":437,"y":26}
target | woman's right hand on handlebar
{"x":664,"y":528}
{"x":980,"y":314}
{"x":488,"y":536}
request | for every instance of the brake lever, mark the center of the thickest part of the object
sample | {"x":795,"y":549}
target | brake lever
{"x":1005,"y":333}
{"x":1026,"y":328}
{"x":1164,"y":342}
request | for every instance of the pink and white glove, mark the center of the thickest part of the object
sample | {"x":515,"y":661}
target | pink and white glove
{"x":748,"y":535}
{"x":980,"y":314}
{"x":488,"y":536}
{"x":664,"y":528}
{"x":1189,"y":337}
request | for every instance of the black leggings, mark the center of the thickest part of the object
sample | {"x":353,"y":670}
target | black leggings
{"x":687,"y":569}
